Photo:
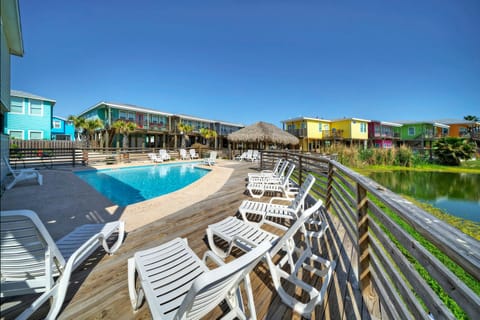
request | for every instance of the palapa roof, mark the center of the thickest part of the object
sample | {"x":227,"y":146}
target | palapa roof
{"x":263,"y":132}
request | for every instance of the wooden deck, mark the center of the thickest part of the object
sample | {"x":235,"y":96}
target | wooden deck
{"x":99,"y":288}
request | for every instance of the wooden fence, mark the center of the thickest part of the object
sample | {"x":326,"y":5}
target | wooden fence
{"x":47,"y":154}
{"x":398,"y":268}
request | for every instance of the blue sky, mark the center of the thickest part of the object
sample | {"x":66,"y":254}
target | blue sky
{"x":245,"y":61}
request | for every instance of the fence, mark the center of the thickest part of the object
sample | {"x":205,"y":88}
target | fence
{"x":47,"y":154}
{"x":399,"y":246}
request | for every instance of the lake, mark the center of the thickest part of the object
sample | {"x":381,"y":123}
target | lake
{"x":455,"y":193}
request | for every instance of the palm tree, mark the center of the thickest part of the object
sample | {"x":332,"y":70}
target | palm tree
{"x":184,"y":129}
{"x":92,"y":125}
{"x":79,"y":124}
{"x":208,"y":134}
{"x":124,"y":128}
{"x":471,"y":118}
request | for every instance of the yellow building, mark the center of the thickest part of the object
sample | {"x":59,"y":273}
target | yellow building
{"x":310,"y":131}
{"x":349,"y":130}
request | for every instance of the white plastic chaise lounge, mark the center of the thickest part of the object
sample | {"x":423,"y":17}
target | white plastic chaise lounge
{"x":257,"y":188}
{"x":193,"y":154}
{"x":279,"y":212}
{"x":178,"y":285}
{"x":211,"y":160}
{"x":183,"y":154}
{"x":164,"y":155}
{"x":33,"y":263}
{"x":277,"y":172}
{"x":154,"y":158}
{"x":298,"y":260}
{"x":20,"y":175}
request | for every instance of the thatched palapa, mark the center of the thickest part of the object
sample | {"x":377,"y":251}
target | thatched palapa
{"x":262,"y":132}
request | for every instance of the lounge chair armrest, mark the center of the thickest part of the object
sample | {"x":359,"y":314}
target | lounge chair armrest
{"x":247,"y":241}
{"x":215,"y":258}
{"x":280,"y":199}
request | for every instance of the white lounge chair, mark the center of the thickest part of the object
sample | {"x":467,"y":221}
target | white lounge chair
{"x":277,"y":172}
{"x":298,"y":260}
{"x":193,"y":154}
{"x":164,"y":155}
{"x":183,"y":154}
{"x":178,"y":285}
{"x":257,"y":188}
{"x":32,"y":262}
{"x":211,"y":160}
{"x":154,"y":158}
{"x":269,"y":210}
{"x":21,"y":175}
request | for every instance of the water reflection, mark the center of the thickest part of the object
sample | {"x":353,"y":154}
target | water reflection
{"x":455,"y":193}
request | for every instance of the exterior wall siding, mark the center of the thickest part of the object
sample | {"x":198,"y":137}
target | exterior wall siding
{"x":28,"y":122}
{"x":5,"y":74}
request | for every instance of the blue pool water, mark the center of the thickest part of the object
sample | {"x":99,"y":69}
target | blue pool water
{"x":125,"y":186}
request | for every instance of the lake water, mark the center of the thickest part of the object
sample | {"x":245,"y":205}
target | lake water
{"x":455,"y":193}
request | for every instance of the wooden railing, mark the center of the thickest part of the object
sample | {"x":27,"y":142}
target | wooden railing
{"x":389,"y":233}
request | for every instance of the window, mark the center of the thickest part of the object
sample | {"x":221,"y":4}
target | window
{"x":35,"y":135}
{"x":463,"y":131}
{"x":411,"y":131}
{"x":57,"y":124}
{"x":131,"y":116}
{"x":122,"y":115}
{"x":16,"y":134}
{"x":326,"y":127}
{"x":154,"y":119}
{"x":363,"y":127}
{"x":16,"y":106}
{"x":36,"y":108}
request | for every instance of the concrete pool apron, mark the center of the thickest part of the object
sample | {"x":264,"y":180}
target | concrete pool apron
{"x":64,"y":201}
{"x":142,"y":213}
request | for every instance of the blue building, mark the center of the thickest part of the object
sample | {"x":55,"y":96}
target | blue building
{"x":62,"y":129}
{"x":30,"y":116}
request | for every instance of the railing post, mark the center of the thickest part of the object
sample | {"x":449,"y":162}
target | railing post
{"x":300,"y":169}
{"x":328,"y":198}
{"x":364,"y":275}
{"x":73,"y":157}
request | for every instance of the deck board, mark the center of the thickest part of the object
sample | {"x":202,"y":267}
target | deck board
{"x":99,"y":288}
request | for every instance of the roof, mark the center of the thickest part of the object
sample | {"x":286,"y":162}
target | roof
{"x":23,"y":94}
{"x":387,"y":123}
{"x":351,"y":119}
{"x":433,"y":123}
{"x":10,"y":17}
{"x":306,"y":118}
{"x":124,"y":106}
{"x":456,"y":121}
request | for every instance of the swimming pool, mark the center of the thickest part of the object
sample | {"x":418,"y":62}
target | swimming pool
{"x":126,"y":186}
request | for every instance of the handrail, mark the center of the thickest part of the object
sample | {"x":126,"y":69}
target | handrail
{"x":388,"y":256}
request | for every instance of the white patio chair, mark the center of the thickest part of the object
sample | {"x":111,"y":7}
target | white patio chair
{"x":193,"y":154}
{"x":183,"y":154}
{"x":257,"y":188}
{"x":278,"y":212}
{"x":277,"y":172}
{"x":21,"y":175}
{"x":31,"y":262}
{"x":211,"y":160}
{"x":289,"y":268}
{"x":178,"y":285}
{"x":154,"y":158}
{"x":164,"y":155}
